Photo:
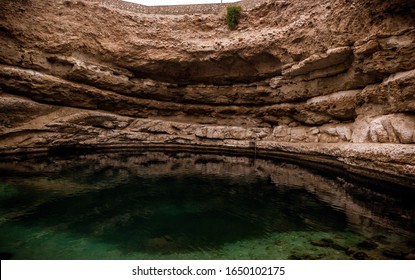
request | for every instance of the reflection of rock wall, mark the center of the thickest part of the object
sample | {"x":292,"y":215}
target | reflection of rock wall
{"x":338,"y":193}
{"x":315,"y":78}
{"x":348,"y":197}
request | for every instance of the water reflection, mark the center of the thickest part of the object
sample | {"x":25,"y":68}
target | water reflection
{"x":181,"y":205}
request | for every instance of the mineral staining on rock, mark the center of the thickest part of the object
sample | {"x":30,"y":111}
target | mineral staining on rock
{"x":304,"y":78}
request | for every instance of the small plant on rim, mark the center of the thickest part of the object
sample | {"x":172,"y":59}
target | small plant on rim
{"x":232,"y":16}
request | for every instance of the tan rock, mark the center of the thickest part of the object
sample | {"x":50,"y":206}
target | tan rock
{"x":400,"y":128}
{"x":394,"y":95}
{"x":309,"y":80}
{"x":341,"y":132}
{"x":16,"y":110}
{"x":366,"y":48}
{"x":341,"y":105}
{"x":316,"y":62}
{"x":393,"y":128}
{"x":281,"y":133}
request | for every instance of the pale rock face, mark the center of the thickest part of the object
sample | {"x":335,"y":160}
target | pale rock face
{"x":332,"y":57}
{"x":310,"y":79}
{"x":281,"y":133}
{"x":339,"y":132}
{"x":341,"y":105}
{"x":395,"y":128}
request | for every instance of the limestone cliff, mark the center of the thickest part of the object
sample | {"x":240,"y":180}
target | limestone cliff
{"x":329,"y":81}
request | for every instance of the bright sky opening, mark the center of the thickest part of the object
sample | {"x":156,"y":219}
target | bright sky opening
{"x":177,"y":2}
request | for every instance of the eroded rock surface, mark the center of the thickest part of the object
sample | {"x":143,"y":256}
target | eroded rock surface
{"x":312,"y":78}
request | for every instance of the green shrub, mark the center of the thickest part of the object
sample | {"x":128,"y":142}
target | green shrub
{"x":232,"y":16}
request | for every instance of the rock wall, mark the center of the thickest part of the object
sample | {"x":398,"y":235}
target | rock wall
{"x":218,"y":8}
{"x":324,"y":81}
{"x":163,"y":10}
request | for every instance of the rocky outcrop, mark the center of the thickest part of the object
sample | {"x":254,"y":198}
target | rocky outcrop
{"x":328,"y":81}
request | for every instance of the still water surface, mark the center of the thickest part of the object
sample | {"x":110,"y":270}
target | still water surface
{"x":194,"y":206}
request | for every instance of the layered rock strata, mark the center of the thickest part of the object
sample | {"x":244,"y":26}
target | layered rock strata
{"x":324,"y":81}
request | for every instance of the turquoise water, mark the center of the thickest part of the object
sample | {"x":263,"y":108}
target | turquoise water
{"x":194,"y":206}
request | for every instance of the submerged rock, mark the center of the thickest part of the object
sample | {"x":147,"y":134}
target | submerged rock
{"x":360,"y":256}
{"x":394,"y":254}
{"x":325,"y":242}
{"x":381,"y":239}
{"x":367,"y":245}
{"x":306,"y":257}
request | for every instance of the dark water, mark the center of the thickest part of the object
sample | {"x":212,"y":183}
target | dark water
{"x":193,"y":206}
